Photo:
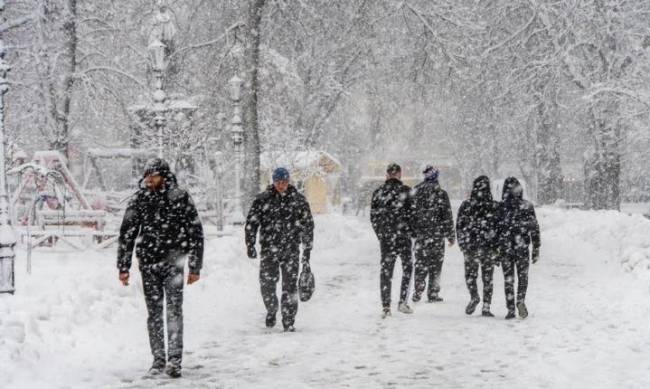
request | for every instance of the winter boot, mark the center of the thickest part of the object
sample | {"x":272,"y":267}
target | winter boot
{"x":523,"y":311}
{"x":157,"y":368}
{"x":416,"y":298}
{"x":385,"y":312}
{"x":289,"y":328}
{"x":510,"y":315}
{"x":471,"y":307}
{"x":173,"y":370}
{"x":435,"y":299}
{"x":270,"y":320}
{"x":486,"y":311}
{"x":404,"y":308}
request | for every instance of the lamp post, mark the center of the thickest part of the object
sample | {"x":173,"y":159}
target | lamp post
{"x":218,"y":169}
{"x":237,"y":135}
{"x":157,"y":56}
{"x":7,"y":236}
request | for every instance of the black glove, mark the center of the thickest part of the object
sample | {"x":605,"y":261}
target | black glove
{"x":306,"y":254}
{"x":535,"y":254}
{"x":251,"y":252}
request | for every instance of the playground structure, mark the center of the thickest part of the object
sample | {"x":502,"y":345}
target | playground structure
{"x":49,"y":206}
{"x":204,"y":185}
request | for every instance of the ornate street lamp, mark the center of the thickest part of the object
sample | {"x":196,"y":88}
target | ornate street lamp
{"x":237,"y":135}
{"x":157,"y":57}
{"x":158,"y":64}
{"x":7,"y":235}
{"x":218,"y":169}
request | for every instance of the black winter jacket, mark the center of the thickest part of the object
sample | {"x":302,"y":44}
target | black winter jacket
{"x":433,"y":217}
{"x":163,"y":226}
{"x":476,"y":226}
{"x":391,"y":210}
{"x":283,"y":221}
{"x":518,"y":226}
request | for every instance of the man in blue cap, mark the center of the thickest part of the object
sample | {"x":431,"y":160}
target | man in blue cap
{"x":284,"y":221}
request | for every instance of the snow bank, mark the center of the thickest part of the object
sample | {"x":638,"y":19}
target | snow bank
{"x":615,"y":236}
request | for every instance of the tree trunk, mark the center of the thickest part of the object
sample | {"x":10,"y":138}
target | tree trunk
{"x":549,"y":172}
{"x":61,"y":140}
{"x":252,"y":62}
{"x":603,"y":169}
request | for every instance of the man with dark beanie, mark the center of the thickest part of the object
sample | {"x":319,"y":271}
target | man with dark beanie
{"x":391,"y":214}
{"x":518,"y":229}
{"x":284,"y":221}
{"x":162,"y":223}
{"x":476,"y":228}
{"x":433,"y":223}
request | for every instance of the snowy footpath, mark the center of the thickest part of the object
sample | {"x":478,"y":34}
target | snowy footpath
{"x":71,"y":325}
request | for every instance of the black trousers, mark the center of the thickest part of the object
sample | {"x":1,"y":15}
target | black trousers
{"x":286,"y":263}
{"x":429,"y":255}
{"x":163,"y":284}
{"x":515,"y":264}
{"x":390,"y":250}
{"x":473,"y":261}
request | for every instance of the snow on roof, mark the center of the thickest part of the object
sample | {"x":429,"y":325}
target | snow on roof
{"x":119,"y":153}
{"x":299,"y":160}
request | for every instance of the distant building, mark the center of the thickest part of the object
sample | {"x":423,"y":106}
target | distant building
{"x":315,"y":173}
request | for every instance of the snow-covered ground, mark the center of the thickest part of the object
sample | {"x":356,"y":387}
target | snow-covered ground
{"x":71,"y":325}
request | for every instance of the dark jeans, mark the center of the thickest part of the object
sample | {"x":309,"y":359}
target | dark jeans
{"x":163,"y":283}
{"x":287,"y":263}
{"x":390,"y":250}
{"x":473,"y":261}
{"x":429,"y":255}
{"x":517,"y":263}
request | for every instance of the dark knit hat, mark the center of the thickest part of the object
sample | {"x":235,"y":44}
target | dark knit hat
{"x":280,"y":174}
{"x":393,"y":168}
{"x":431,"y":172}
{"x":156,"y":166}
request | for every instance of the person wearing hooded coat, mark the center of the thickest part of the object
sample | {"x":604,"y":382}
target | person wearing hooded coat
{"x":163,"y":225}
{"x":518,"y":229}
{"x":476,"y":229}
{"x":433,"y":222}
{"x":283,"y":218}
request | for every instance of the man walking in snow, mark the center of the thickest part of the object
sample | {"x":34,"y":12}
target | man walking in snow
{"x":163,"y":225}
{"x":476,"y":228}
{"x":391,"y":214}
{"x":284,"y":221}
{"x":433,"y":223}
{"x":518,"y":229}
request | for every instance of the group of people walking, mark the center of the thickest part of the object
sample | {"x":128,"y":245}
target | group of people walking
{"x":489,"y":234}
{"x":163,"y":226}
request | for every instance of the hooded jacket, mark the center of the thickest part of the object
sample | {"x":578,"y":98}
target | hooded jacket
{"x":476,"y":226}
{"x":518,"y":226}
{"x":162,"y":225}
{"x":433,"y":217}
{"x":284,"y":221}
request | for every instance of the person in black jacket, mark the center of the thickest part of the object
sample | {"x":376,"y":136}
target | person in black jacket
{"x":391,"y":213}
{"x":162,"y":223}
{"x":518,"y":228}
{"x":476,"y":228}
{"x":283,"y":218}
{"x":433,"y":223}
